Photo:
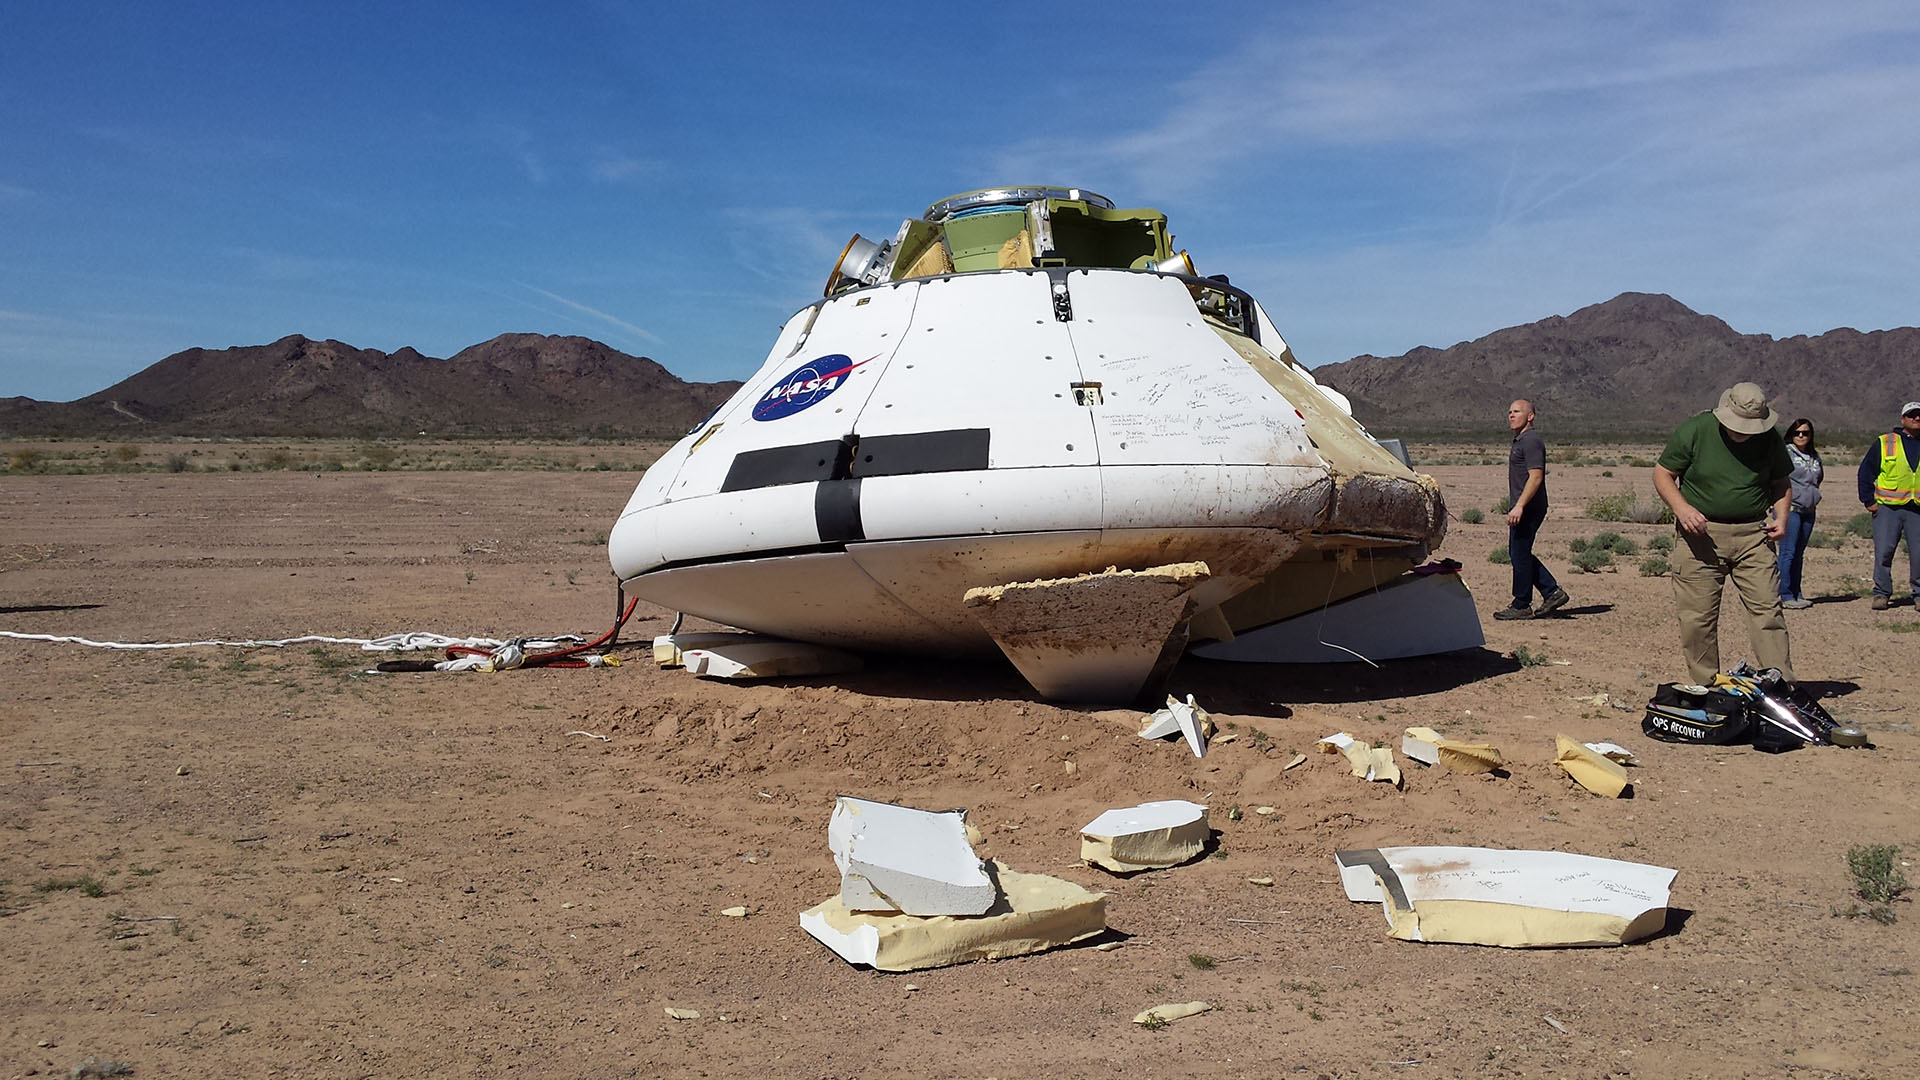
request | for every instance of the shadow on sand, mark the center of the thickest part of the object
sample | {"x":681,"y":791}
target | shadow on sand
{"x":1220,"y":686}
{"x":24,"y":609}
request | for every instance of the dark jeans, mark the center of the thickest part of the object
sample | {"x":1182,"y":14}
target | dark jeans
{"x":1890,"y":523}
{"x":1793,"y":552}
{"x":1529,"y":573}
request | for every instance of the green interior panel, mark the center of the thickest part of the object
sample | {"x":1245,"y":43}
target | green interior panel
{"x":975,"y":239}
{"x":1087,"y":235}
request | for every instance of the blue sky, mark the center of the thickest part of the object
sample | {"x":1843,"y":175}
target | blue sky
{"x":675,"y":179}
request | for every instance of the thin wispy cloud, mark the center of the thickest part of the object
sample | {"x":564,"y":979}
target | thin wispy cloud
{"x":792,"y":248}
{"x":1548,"y":154}
{"x":585,"y":310}
{"x":608,"y":167}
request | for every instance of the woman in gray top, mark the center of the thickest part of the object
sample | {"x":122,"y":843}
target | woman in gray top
{"x":1807,"y":474}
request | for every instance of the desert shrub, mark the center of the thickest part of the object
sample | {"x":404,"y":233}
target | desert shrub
{"x":1639,"y":463}
{"x":1860,"y":524}
{"x":1607,"y":473}
{"x":1579,"y":544}
{"x":1655,"y":566}
{"x":1875,"y":869}
{"x":85,"y":884}
{"x":1472,"y":515}
{"x":125,"y":453}
{"x":1529,"y":658}
{"x":1499,"y":557}
{"x":178,"y":463}
{"x":1821,"y":538}
{"x":1612,"y":507}
{"x":379,"y":457}
{"x":1614,"y":542}
{"x":26,"y":459}
{"x":1660,"y":545}
{"x":1505,"y":504}
{"x":1593,"y":560}
{"x":1652,"y":512}
{"x":278,"y":458}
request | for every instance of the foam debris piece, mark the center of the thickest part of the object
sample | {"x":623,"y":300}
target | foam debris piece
{"x":1034,"y":913}
{"x":1512,"y":899}
{"x":1185,"y":718}
{"x":1151,"y":836}
{"x":898,"y":859}
{"x":1470,"y":757}
{"x":1591,"y":770}
{"x":1335,"y":743}
{"x":1425,"y":745}
{"x":1166,"y":1014}
{"x":1368,"y":761}
{"x":1614,"y":752}
{"x":1422,"y":744}
{"x":669,"y":649}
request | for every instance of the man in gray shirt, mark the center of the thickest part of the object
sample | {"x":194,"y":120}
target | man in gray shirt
{"x":1527,"y":489}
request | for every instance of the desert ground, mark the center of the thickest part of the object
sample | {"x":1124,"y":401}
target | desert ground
{"x":218,"y":862}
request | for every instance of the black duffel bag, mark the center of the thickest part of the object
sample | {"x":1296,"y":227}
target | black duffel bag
{"x":1697,"y":714}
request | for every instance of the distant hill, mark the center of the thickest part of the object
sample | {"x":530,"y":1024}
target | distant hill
{"x":1631,"y":367}
{"x":514,"y":385}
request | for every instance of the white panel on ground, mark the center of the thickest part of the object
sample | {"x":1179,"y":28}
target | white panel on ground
{"x":1415,"y":615}
{"x":1515,"y":899}
{"x":755,"y":657}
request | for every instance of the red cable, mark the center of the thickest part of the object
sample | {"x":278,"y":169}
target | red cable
{"x":557,"y":657}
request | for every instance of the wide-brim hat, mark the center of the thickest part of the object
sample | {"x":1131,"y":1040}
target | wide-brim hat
{"x":1743,"y":408}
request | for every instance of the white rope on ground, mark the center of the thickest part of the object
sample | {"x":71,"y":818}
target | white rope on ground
{"x":415,"y":639}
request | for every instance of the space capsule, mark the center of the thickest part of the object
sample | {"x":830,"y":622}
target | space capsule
{"x":1025,"y":422}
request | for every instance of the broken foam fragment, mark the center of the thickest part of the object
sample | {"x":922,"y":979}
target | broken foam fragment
{"x":898,"y":859}
{"x":1590,"y":769}
{"x":1034,"y":913}
{"x":1425,"y":745}
{"x":1185,"y":718}
{"x":1150,"y":836}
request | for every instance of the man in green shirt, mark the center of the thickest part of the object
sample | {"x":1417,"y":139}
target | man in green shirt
{"x":1725,"y":476}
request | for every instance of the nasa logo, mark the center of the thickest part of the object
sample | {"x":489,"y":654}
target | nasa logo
{"x":804,"y":386}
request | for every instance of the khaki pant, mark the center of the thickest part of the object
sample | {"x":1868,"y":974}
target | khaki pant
{"x":1701,"y":567}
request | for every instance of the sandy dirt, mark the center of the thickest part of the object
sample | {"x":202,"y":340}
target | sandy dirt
{"x":301,"y":870}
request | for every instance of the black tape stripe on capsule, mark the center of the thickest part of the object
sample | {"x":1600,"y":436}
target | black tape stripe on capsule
{"x":836,"y":511}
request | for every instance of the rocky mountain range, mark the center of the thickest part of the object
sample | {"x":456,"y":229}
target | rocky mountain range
{"x":513,"y":385}
{"x":1632,"y":367}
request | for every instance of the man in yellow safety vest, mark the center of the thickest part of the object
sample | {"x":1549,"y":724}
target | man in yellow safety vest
{"x":1890,"y":490}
